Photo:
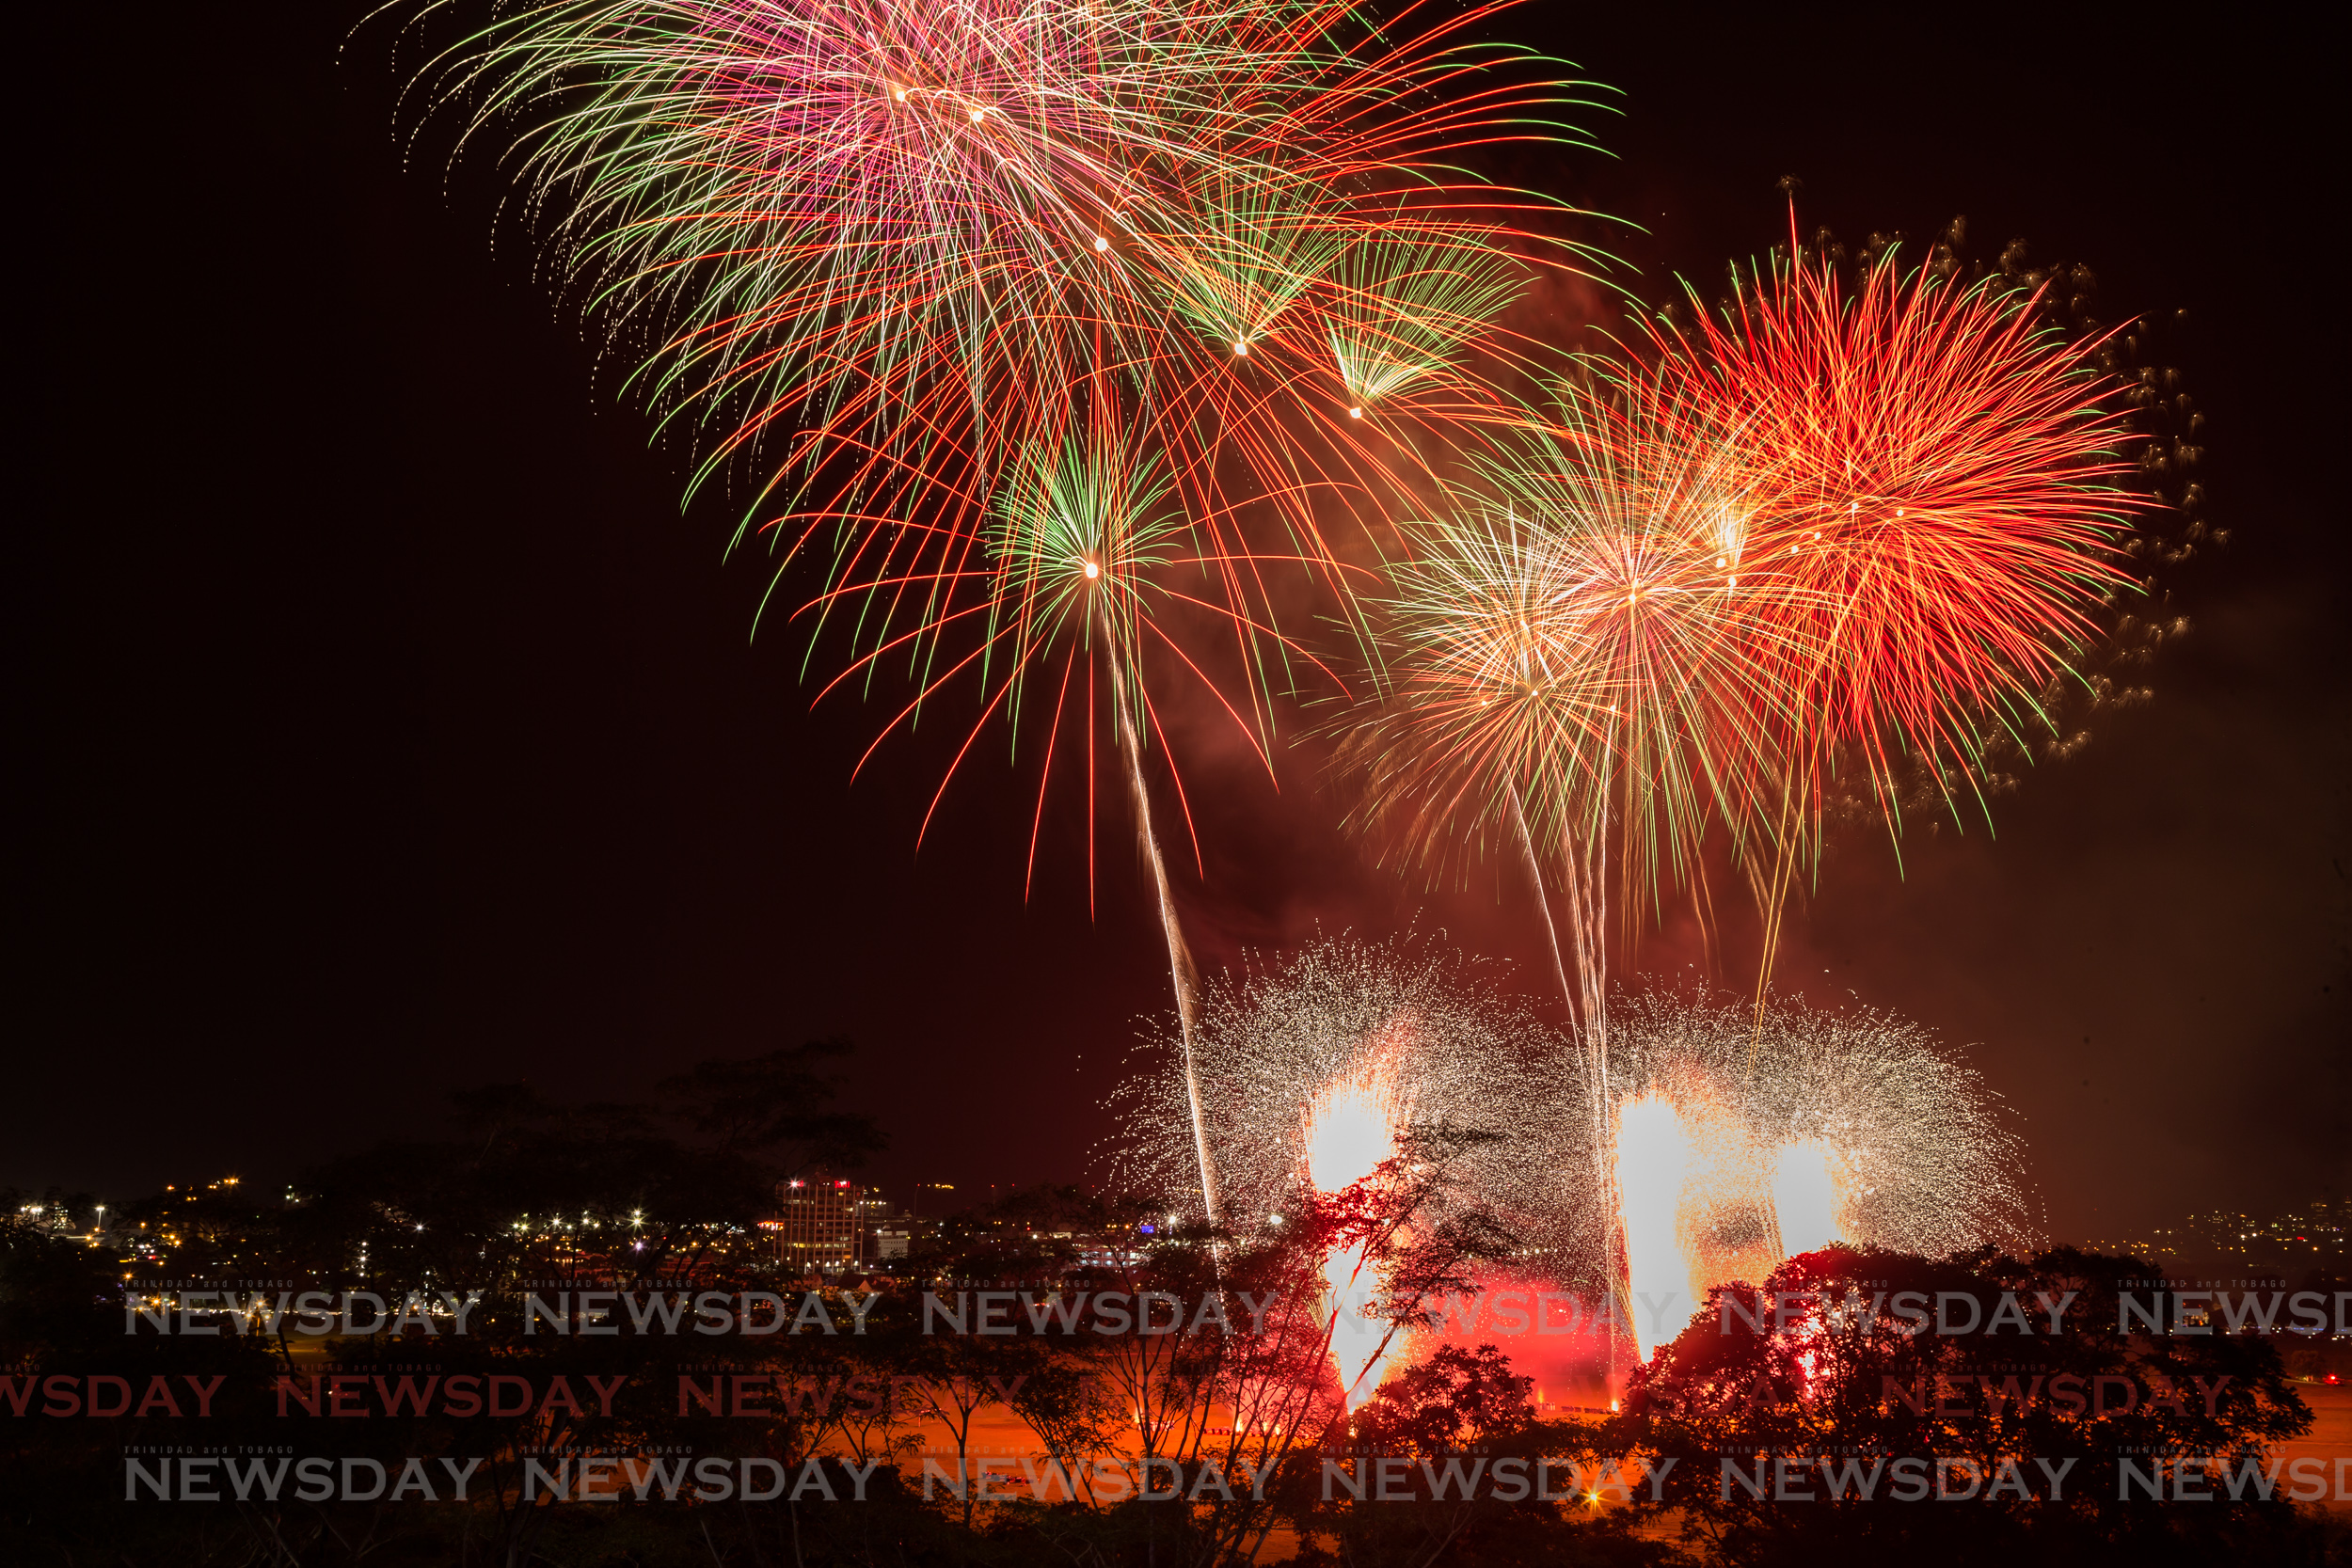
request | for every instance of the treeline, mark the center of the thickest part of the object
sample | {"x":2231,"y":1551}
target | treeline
{"x":583,"y":1355}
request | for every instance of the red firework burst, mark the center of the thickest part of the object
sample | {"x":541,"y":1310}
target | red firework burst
{"x":1932,"y":508}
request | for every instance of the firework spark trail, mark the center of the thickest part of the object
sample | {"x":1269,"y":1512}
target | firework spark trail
{"x":1183,"y":973}
{"x":1543,"y":904}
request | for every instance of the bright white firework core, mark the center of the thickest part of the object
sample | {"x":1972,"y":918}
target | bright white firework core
{"x":1653,"y":1155}
{"x":1348,"y":1133}
{"x":1350,"y":1130}
{"x":1804,"y":1196}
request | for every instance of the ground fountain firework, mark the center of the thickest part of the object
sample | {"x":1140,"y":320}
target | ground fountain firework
{"x":1344,"y":1034}
{"x":1845,"y":1126}
{"x":1311,"y":1070}
{"x":1850,"y":1126}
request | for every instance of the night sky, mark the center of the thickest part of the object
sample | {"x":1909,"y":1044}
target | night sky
{"x":380,"y":726}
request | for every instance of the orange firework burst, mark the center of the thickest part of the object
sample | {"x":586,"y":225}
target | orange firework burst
{"x":1931,"y":518}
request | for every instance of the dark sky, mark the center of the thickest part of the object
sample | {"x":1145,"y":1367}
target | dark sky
{"x":380,"y":725}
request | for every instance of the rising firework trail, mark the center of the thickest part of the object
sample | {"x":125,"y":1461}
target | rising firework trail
{"x":1083,"y":556}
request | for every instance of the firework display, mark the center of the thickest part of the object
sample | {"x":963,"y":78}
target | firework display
{"x":1934,"y":515}
{"x":910,"y":265}
{"x":1826,"y":525}
{"x":1870,"y":524}
{"x":876,"y":251}
{"x":1854,"y":1127}
{"x":1070,"y":352}
{"x":887,"y":258}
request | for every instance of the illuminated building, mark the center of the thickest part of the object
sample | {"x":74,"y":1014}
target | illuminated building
{"x":823,"y":1226}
